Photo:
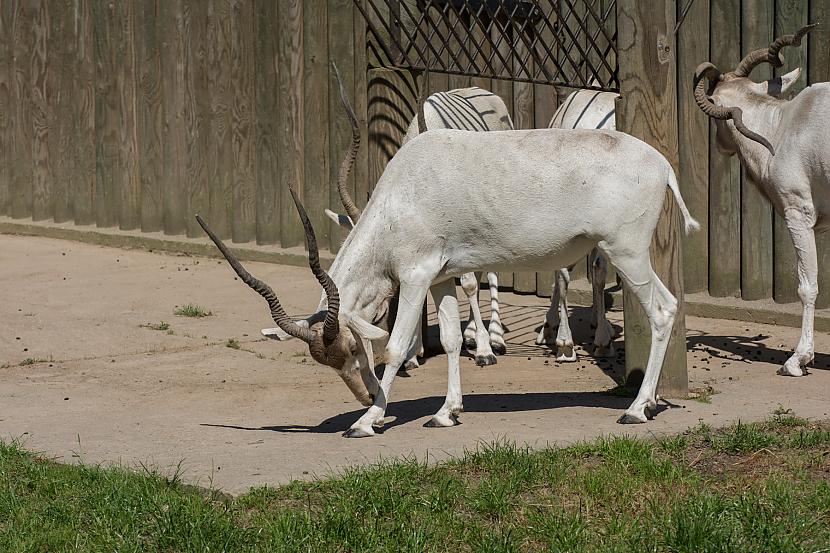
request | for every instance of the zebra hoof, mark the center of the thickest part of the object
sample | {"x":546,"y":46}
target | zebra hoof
{"x":604,"y":351}
{"x":470,"y":344}
{"x":484,"y":360}
{"x":498,"y":349}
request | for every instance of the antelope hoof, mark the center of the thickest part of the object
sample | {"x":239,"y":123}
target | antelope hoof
{"x":359,"y":432}
{"x":630,"y":418}
{"x":604,"y":351}
{"x":442,"y":421}
{"x":484,"y":360}
{"x":498,"y":348}
{"x":411,"y":364}
{"x":543,"y":338}
{"x":791,"y":368}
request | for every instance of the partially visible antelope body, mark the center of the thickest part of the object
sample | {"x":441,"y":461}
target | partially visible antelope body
{"x":784,"y":147}
{"x":412,"y":238}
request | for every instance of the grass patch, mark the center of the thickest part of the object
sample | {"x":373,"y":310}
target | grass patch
{"x":157,"y":326}
{"x":702,"y":395}
{"x":191,"y":310}
{"x":611,"y":494}
{"x":232,"y":343}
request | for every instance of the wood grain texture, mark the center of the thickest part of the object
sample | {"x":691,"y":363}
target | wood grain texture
{"x":5,"y":102}
{"x":291,"y":121}
{"x":316,"y":72}
{"x":819,"y":72}
{"x":151,"y":130}
{"x":790,"y":15}
{"x":83,"y":114}
{"x":267,"y":96}
{"x":61,"y":54}
{"x":41,"y":94}
{"x":724,"y":172}
{"x":361,"y":107}
{"x":648,"y":110}
{"x":756,"y":211}
{"x":117,"y":190}
{"x":693,"y":137}
{"x":241,"y":105}
{"x":341,"y":52}
{"x":20,"y":114}
{"x":197,"y":114}
{"x":392,"y":101}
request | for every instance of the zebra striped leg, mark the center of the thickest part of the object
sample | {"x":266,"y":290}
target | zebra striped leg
{"x":483,"y":353}
{"x":495,"y":329}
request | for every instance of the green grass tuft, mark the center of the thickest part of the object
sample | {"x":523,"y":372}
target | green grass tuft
{"x":232,"y":343}
{"x":191,"y":310}
{"x":34,"y":360}
{"x":157,"y":326}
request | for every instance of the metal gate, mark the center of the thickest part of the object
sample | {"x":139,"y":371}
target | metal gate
{"x":559,"y":42}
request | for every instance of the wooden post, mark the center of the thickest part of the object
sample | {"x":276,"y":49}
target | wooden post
{"x":647,"y":109}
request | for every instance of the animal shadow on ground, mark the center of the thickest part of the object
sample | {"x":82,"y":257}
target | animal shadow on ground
{"x":407,"y":411}
{"x":747,"y":349}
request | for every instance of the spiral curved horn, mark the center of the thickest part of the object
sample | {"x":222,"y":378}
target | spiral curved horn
{"x":348,"y":160}
{"x":709,"y":71}
{"x":331,"y":326}
{"x":277,"y":312}
{"x":771,"y":54}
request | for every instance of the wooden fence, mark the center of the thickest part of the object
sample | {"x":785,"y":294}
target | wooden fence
{"x":137,"y":114}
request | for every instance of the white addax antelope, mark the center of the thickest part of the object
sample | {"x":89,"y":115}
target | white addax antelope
{"x":582,"y":109}
{"x":786,"y":154}
{"x":412,"y":238}
{"x":468,"y":109}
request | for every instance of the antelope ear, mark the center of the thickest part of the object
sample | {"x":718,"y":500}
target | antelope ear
{"x":366,"y":329}
{"x":343,"y":220}
{"x":279,"y":334}
{"x":779,"y":85}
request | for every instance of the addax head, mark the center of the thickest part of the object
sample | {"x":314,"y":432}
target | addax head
{"x":335,"y":339}
{"x":728,"y":91}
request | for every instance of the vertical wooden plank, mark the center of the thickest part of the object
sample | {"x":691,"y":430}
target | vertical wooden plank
{"x":756,"y":211}
{"x":241,"y":104}
{"x":523,"y":118}
{"x":267,"y":94}
{"x":648,"y":110}
{"x":197,"y":114}
{"x":819,"y":72}
{"x":41,"y":116}
{"x":790,"y":15}
{"x":221,"y":163}
{"x":361,"y":88}
{"x":117,"y":193}
{"x":61,"y":54}
{"x":724,"y":172}
{"x":693,"y":129}
{"x":316,"y":74}
{"x":83,"y":99}
{"x":20,"y":114}
{"x":341,"y":52}
{"x":151,"y":130}
{"x":290,"y":123}
{"x":5,"y":102}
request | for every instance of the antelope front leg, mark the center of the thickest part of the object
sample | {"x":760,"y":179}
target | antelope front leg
{"x":446,"y":302}
{"x":409,"y":313}
{"x":800,"y":225}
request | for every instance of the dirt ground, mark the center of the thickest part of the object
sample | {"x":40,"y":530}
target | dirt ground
{"x":84,"y":378}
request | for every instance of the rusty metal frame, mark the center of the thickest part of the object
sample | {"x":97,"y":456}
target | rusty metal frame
{"x":559,"y":42}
